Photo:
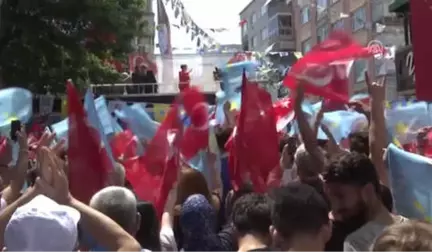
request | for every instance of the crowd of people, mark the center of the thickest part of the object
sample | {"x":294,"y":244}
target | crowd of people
{"x":330,"y":198}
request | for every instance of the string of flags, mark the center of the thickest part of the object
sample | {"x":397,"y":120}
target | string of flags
{"x":196,"y":33}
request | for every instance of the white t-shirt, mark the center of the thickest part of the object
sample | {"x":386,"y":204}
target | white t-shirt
{"x":288,"y":176}
{"x":167,"y":239}
{"x":3,"y":204}
{"x":363,"y":238}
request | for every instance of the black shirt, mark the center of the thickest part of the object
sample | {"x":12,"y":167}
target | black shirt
{"x":340,"y":231}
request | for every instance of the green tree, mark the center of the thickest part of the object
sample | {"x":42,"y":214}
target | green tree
{"x":45,"y":42}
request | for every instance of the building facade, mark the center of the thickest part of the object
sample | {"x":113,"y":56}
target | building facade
{"x":268,"y":25}
{"x":366,"y":20}
{"x":404,"y":58}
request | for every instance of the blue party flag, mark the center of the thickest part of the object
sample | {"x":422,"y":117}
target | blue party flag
{"x":93,"y":118}
{"x":104,"y":115}
{"x":140,"y":122}
{"x":232,"y":75}
{"x":341,"y":123}
{"x":61,"y":129}
{"x":15,"y":104}
{"x":404,"y":119}
{"x":410,"y":183}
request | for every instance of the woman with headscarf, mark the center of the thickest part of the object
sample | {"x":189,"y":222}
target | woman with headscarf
{"x":198,"y":221}
{"x":192,"y":182}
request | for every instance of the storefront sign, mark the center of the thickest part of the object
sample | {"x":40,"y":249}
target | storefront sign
{"x":404,"y":61}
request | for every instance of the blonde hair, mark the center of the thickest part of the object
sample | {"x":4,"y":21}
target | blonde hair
{"x":410,"y":235}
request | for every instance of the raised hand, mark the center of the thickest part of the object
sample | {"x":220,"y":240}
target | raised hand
{"x":376,"y":89}
{"x":53,"y":181}
{"x":22,"y":139}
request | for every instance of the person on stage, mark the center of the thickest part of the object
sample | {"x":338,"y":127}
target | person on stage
{"x":184,"y":78}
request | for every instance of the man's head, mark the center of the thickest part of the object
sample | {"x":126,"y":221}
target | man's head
{"x":117,"y":176}
{"x":251,"y":216}
{"x":42,"y":225}
{"x":359,"y":142}
{"x":299,"y":211}
{"x":352,"y":185}
{"x":184,"y":67}
{"x":306,"y":166}
{"x":120,"y":205}
{"x":143,"y":68}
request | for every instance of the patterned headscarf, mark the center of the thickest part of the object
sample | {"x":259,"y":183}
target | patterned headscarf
{"x":198,"y":223}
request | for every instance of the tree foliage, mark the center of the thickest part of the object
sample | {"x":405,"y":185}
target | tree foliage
{"x":44,"y":42}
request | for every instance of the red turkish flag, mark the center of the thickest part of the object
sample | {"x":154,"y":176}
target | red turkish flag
{"x":325,"y":68}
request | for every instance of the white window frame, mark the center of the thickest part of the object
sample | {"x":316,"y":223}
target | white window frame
{"x":264,"y":33}
{"x":321,"y":6}
{"x":324,"y":28}
{"x":254,"y":18}
{"x":264,"y":10}
{"x":305,"y":15}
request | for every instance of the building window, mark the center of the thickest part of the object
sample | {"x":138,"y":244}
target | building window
{"x":264,"y":10}
{"x":285,"y":25}
{"x":306,"y":46}
{"x":244,"y":29}
{"x":321,"y":7}
{"x":280,"y":25}
{"x":253,"y":18}
{"x":360,"y":68}
{"x":253,"y":42}
{"x":338,"y":24}
{"x":322,"y":33}
{"x":305,"y":15}
{"x":264,"y":33}
{"x":377,"y":10}
{"x":359,"y":19}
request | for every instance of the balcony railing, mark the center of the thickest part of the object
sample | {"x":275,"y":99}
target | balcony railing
{"x":134,"y":89}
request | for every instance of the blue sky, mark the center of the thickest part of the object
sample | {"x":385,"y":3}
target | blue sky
{"x":208,"y":14}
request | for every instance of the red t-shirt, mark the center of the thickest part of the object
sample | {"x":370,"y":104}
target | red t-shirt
{"x":184,"y":80}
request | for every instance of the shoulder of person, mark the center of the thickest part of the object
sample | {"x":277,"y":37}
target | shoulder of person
{"x":362,"y":238}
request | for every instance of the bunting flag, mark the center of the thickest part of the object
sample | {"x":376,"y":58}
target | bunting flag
{"x":88,"y":161}
{"x":196,"y":33}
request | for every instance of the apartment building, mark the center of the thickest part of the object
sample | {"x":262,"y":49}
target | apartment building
{"x":367,"y":20}
{"x":268,"y":25}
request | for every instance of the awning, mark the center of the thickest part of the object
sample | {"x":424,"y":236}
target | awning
{"x":399,"y":6}
{"x":269,"y":49}
{"x":267,"y":2}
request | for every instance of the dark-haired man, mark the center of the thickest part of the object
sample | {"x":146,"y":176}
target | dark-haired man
{"x":353,"y":189}
{"x":251,"y":219}
{"x":300,"y":220}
